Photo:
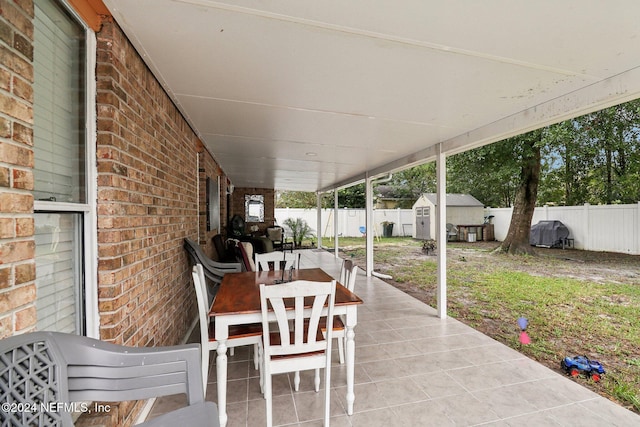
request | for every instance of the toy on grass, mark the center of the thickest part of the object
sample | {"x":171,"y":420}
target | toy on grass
{"x":524,"y":337}
{"x":575,"y":366}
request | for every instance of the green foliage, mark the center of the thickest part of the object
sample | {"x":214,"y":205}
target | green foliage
{"x":301,"y":200}
{"x":299,"y":229}
{"x":351,"y":197}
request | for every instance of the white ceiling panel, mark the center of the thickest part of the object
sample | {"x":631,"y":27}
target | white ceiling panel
{"x":306,"y":95}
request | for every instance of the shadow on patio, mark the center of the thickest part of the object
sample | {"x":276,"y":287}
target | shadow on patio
{"x":415,"y":369}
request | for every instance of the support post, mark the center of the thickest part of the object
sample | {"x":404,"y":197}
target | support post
{"x":335,"y":223}
{"x":369,"y":223}
{"x":441,"y":215}
{"x":319,"y":218}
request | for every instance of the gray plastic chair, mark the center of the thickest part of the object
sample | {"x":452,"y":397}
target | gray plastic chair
{"x":213,"y":270}
{"x":53,"y":367}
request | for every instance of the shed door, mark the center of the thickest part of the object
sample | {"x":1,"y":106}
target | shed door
{"x":423,"y":223}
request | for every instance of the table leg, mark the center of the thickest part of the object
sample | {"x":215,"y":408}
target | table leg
{"x":221,"y":369}
{"x":351,"y":359}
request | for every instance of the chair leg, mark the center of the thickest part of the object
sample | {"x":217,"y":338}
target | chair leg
{"x":316,"y":380}
{"x":327,"y":396}
{"x":260,"y":358}
{"x":256,"y":357}
{"x":268,"y":400}
{"x":296,"y":381}
{"x":341,"y":349}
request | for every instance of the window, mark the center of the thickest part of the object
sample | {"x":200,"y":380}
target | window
{"x":63,"y":217}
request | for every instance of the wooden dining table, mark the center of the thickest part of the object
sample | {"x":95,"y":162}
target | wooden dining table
{"x":238,"y":302}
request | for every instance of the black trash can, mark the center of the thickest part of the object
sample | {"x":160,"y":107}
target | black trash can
{"x":387,"y":229}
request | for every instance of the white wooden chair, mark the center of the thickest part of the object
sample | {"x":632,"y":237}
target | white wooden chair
{"x":298,"y":345}
{"x":239,"y":335}
{"x":277,"y":261}
{"x":348,"y":275}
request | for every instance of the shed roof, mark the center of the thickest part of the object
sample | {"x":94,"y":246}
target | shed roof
{"x":455,"y":199}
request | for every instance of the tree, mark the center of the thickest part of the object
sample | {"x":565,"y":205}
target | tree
{"x":413,"y":182}
{"x":489,"y":173}
{"x":527,"y":149}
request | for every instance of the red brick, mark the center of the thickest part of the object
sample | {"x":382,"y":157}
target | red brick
{"x":17,"y":297}
{"x":16,"y":202}
{"x":20,"y":15}
{"x":5,"y":277}
{"x":23,"y":134}
{"x":16,"y":64}
{"x":7,"y":228}
{"x":23,"y":179}
{"x":15,"y":154}
{"x":25,"y":227}
{"x":5,"y":79}
{"x":4,"y":177}
{"x":17,"y":251}
{"x":26,"y":318}
{"x":25,"y":272}
{"x":22,"y":89}
{"x":6,"y":326}
{"x":16,"y":108}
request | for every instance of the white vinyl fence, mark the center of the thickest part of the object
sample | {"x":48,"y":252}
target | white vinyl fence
{"x":350,"y":220}
{"x":610,"y":228}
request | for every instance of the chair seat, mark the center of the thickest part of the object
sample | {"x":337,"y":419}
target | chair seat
{"x":238,"y":331}
{"x":200,"y":414}
{"x":338,"y":324}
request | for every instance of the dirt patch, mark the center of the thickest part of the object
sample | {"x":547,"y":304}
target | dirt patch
{"x":591,"y":267}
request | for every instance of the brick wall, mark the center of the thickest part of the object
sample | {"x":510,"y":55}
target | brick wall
{"x":148,"y":168}
{"x":147,"y":201}
{"x":17,"y":246}
{"x":148,"y":171}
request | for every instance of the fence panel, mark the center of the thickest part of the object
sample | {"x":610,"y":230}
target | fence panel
{"x":612,"y":228}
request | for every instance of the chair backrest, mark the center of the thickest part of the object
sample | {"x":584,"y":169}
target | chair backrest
{"x":224,"y":255}
{"x":213,"y":270}
{"x":246,"y":253}
{"x":53,"y":367}
{"x":203,"y":316}
{"x":304,"y":334}
{"x":275,"y":233}
{"x":277,"y":261}
{"x":348,"y":274}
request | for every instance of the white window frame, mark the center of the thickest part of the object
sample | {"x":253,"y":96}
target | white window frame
{"x":88,"y":210}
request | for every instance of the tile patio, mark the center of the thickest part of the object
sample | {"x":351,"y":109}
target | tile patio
{"x":414,"y":369}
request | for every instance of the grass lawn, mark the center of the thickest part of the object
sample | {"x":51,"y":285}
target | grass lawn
{"x":576,"y":303}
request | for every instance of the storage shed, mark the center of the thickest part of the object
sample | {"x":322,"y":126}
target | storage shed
{"x":461,"y":209}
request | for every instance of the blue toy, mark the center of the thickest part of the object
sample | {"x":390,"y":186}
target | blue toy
{"x":575,"y":366}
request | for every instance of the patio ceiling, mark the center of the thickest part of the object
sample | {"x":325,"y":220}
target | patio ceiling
{"x":310,"y":95}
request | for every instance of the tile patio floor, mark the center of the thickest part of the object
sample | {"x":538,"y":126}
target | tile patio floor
{"x":414,"y":369}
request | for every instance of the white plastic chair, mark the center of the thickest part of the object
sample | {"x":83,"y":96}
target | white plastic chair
{"x":279,"y":260}
{"x":299,"y":345}
{"x":239,"y":335}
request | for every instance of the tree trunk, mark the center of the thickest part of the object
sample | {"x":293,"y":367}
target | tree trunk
{"x":517,"y":240}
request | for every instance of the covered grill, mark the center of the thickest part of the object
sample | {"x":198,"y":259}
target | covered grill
{"x":548,"y":233}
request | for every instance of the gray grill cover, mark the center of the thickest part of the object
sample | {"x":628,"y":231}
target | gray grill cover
{"x":548,"y":233}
